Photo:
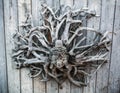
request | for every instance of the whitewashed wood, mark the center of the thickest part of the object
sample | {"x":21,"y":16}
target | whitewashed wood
{"x":114,"y":81}
{"x":10,"y":17}
{"x":107,"y":17}
{"x":3,"y":63}
{"x":56,"y":4}
{"x":36,"y":12}
{"x":66,"y":2}
{"x":75,"y":89}
{"x":65,"y":87}
{"x":24,"y":8}
{"x":78,"y":4}
{"x":94,"y":22}
{"x":66,"y":84}
{"x":39,"y":87}
{"x":51,"y":86}
{"x":11,"y":22}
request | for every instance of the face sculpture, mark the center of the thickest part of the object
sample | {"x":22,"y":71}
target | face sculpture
{"x":34,"y":46}
{"x":59,"y":54}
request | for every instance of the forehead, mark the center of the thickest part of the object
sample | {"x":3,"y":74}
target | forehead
{"x":58,"y":43}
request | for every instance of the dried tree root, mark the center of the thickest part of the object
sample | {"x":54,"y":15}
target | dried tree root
{"x":55,"y":49}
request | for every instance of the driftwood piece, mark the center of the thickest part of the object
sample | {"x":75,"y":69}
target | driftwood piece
{"x":52,"y":50}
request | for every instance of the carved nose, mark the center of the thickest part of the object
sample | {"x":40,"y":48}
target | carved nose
{"x":59,"y":65}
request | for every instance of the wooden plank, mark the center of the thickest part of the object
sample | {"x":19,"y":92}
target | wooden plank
{"x":51,"y":86}
{"x":66,"y":85}
{"x":3,"y":63}
{"x":10,"y":17}
{"x":107,"y":17}
{"x":114,"y":77}
{"x":24,"y":8}
{"x":39,"y":87}
{"x":36,"y":12}
{"x":94,"y":22}
{"x":78,"y":4}
{"x":56,"y":4}
{"x":66,"y":2}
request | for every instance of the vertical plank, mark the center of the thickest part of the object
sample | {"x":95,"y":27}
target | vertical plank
{"x":10,"y":15}
{"x":39,"y":87}
{"x":114,"y":81}
{"x":56,"y":4}
{"x":24,"y":8}
{"x":94,"y":22}
{"x":3,"y":63}
{"x":66,"y":85}
{"x":52,"y":86}
{"x":66,"y":2}
{"x":78,"y":4}
{"x":107,"y":18}
{"x":36,"y":12}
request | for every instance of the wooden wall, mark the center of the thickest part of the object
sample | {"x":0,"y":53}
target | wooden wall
{"x":12,"y":14}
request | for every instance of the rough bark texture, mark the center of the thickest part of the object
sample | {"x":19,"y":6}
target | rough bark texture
{"x":56,"y":48}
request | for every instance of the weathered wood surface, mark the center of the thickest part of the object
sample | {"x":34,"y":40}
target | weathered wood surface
{"x":13,"y":13}
{"x":66,"y":85}
{"x":78,"y":4}
{"x":38,"y":86}
{"x":51,"y":86}
{"x":93,"y":23}
{"x":3,"y":68}
{"x":11,"y":25}
{"x":114,"y":74}
{"x":107,"y":18}
{"x":24,"y":8}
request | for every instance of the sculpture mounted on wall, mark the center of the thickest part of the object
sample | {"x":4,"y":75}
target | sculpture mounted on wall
{"x":60,"y":47}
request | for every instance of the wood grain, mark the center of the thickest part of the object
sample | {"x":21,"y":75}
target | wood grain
{"x":14,"y":12}
{"x":3,"y":63}
{"x":95,"y":23}
{"x":24,"y":8}
{"x":66,"y":84}
{"x":78,"y":4}
{"x":10,"y":17}
{"x":107,"y":17}
{"x":114,"y":77}
{"x":52,"y":86}
{"x":39,"y":87}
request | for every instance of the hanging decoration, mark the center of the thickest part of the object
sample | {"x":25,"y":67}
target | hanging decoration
{"x":60,"y":48}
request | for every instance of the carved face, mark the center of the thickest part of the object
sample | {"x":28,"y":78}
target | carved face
{"x":59,"y":56}
{"x":60,"y":62}
{"x":33,"y":47}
